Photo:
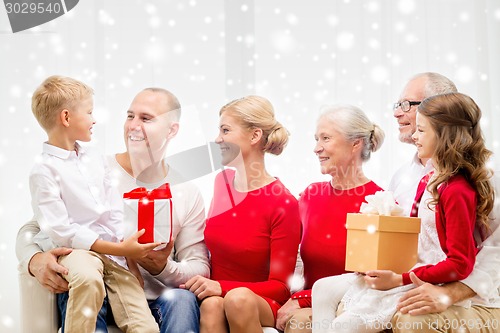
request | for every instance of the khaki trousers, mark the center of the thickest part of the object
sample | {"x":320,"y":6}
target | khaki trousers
{"x":92,"y":274}
{"x":456,"y":319}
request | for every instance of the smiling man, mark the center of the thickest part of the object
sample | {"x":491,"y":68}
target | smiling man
{"x":152,"y":120}
{"x":470,"y":305}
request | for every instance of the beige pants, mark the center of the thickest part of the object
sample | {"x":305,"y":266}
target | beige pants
{"x":456,"y":319}
{"x":92,"y":274}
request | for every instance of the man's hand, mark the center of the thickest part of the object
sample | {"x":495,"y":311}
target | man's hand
{"x":286,"y":312}
{"x":426,"y":298}
{"x":155,"y":261}
{"x":202,"y":287}
{"x":383,"y":279}
{"x":45,"y":268}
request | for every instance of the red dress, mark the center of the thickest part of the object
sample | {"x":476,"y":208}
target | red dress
{"x":253,"y":238}
{"x":323,"y":212}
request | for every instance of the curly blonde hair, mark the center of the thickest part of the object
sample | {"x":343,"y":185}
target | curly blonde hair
{"x":460,"y":148}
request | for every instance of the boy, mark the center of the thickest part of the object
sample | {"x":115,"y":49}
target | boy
{"x":77,"y":207}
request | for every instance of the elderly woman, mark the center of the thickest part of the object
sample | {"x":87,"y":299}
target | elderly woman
{"x":345,"y":138}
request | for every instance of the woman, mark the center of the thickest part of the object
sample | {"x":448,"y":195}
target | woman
{"x":253,"y":226}
{"x":345,"y":138}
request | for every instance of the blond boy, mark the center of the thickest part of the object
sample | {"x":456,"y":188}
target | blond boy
{"x":77,"y":207}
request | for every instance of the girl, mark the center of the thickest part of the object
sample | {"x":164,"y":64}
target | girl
{"x":457,"y":202}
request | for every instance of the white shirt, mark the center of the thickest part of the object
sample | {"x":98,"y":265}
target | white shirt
{"x":405,"y":181}
{"x":485,"y":278}
{"x":189,"y":256}
{"x":73,"y":200}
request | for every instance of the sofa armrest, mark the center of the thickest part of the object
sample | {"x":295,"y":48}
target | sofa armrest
{"x":38,"y":306}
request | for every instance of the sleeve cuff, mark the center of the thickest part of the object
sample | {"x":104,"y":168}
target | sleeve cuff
{"x":406,"y":278}
{"x":303,"y":297}
{"x":84,"y":238}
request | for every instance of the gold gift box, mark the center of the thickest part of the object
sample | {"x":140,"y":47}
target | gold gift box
{"x":381,"y":242}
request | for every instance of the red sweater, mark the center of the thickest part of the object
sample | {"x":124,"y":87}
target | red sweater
{"x":253,"y":238}
{"x":323,"y":212}
{"x":455,"y":223}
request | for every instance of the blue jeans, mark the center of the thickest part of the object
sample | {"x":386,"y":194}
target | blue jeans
{"x":175,"y":311}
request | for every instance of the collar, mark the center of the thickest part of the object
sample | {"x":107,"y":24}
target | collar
{"x":63,"y":153}
{"x":425,"y":168}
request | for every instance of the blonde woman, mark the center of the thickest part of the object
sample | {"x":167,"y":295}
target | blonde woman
{"x":253,"y":226}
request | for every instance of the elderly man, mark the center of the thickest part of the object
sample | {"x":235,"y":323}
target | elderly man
{"x":470,"y":305}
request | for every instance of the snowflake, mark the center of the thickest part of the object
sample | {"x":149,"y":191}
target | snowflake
{"x":406,"y":6}
{"x":15,"y":91}
{"x":373,"y":6}
{"x":7,"y":321}
{"x":151,"y":9}
{"x":105,"y":18}
{"x":87,"y":312}
{"x":292,"y":19}
{"x":497,"y":14}
{"x":464,"y":74}
{"x":333,"y":20}
{"x":379,"y":74}
{"x":155,"y":22}
{"x":345,"y":40}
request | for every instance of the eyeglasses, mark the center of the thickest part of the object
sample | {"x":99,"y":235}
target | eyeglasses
{"x":405,"y":105}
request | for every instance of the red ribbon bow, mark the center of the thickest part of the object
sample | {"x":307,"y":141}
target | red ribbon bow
{"x":146,"y":209}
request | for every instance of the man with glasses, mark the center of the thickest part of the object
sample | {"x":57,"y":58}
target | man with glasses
{"x":430,"y":308}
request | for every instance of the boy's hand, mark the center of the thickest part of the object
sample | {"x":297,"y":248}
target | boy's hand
{"x":130,"y":247}
{"x":383,"y":279}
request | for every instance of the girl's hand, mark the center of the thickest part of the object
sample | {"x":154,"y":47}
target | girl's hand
{"x":383,"y":279}
{"x":202,"y":287}
{"x":130,"y":247}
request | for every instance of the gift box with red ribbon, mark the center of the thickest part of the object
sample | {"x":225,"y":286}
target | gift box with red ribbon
{"x":149,"y":210}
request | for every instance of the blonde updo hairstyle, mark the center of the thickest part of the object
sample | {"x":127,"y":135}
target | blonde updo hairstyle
{"x":257,"y":112}
{"x":353,"y":124}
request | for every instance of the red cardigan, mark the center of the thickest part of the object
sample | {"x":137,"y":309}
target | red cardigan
{"x":455,"y":223}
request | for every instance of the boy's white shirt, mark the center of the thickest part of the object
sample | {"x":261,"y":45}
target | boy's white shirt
{"x":74,"y":201}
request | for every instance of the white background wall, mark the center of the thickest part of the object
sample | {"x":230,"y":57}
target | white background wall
{"x":299,"y":54}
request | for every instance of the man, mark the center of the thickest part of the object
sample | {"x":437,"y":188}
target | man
{"x":152,"y":121}
{"x":430,"y":308}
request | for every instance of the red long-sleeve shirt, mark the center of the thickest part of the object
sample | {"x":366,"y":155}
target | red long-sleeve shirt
{"x":323,"y":212}
{"x":253,"y":238}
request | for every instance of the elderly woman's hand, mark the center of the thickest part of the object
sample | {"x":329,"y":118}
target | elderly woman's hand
{"x":286,"y":312}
